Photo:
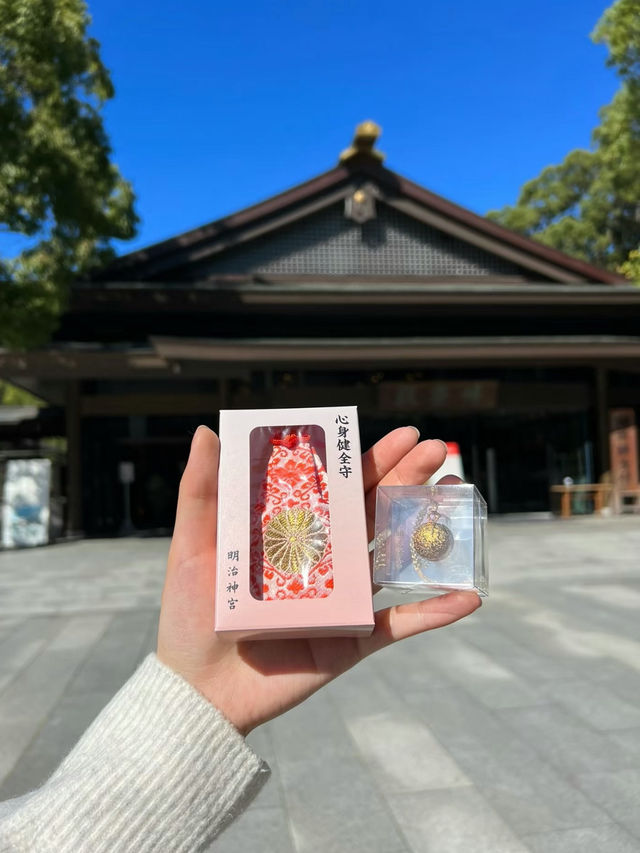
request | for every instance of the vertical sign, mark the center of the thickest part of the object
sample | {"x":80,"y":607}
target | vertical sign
{"x":623,"y":438}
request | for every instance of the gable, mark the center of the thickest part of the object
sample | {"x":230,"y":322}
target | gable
{"x":304,"y":231}
{"x":327,"y":243}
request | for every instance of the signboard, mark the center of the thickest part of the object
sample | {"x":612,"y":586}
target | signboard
{"x":444,"y":396}
{"x":25,"y":502}
{"x":623,"y":439}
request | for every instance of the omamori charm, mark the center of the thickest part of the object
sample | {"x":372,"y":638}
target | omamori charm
{"x":432,"y":541}
{"x":291,"y":555}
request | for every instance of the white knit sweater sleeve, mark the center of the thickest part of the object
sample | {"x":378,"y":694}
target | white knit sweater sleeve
{"x":160,"y":769}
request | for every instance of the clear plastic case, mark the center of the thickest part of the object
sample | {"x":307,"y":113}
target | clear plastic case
{"x":431,"y":538}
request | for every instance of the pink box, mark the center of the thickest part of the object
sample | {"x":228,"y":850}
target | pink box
{"x":293,"y":557}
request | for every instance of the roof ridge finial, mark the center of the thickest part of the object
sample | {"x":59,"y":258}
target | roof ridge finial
{"x":365,"y":137}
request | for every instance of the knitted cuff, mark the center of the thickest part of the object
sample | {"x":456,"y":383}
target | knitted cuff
{"x":159,"y":769}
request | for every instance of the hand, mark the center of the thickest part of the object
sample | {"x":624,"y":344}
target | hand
{"x":253,"y":681}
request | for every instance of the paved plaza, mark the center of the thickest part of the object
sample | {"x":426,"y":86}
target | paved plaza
{"x":515,"y":730}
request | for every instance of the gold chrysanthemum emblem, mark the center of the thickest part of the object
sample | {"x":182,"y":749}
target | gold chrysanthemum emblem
{"x":295,"y":540}
{"x":432,"y":541}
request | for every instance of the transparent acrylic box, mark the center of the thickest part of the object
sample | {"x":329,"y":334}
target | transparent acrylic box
{"x":431,"y":538}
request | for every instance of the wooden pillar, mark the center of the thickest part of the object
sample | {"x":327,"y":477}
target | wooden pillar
{"x":74,"y":459}
{"x":602,"y":419}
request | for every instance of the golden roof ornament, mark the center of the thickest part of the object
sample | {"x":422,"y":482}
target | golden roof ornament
{"x":361,"y":204}
{"x":366,"y":135}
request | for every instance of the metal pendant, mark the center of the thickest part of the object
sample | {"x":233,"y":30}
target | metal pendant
{"x":432,"y":540}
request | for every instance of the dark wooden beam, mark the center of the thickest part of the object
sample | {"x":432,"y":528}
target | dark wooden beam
{"x":82,"y":364}
{"x":443,"y":352}
{"x":177,"y":403}
{"x":74,"y":459}
{"x":239,"y":296}
{"x":602,"y":419}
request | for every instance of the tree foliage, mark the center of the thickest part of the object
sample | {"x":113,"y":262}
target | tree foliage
{"x":11,"y":395}
{"x":59,"y":189}
{"x":589,"y":205}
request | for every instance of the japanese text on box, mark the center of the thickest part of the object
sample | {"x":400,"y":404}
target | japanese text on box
{"x":232,"y":572}
{"x":343,"y":445}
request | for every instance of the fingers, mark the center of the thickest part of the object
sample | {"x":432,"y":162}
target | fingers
{"x":195,"y":527}
{"x":386,"y":453}
{"x":406,"y":620}
{"x":449,"y":480}
{"x":413,"y":469}
{"x":418,"y":465}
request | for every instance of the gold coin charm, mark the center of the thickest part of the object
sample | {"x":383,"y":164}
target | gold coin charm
{"x":295,"y":540}
{"x":432,"y":540}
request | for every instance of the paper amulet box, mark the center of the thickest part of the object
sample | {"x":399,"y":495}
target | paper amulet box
{"x":292,"y":541}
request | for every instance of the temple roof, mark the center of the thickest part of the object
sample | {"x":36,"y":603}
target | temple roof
{"x":357,"y":220}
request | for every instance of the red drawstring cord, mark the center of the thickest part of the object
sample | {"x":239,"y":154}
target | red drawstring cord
{"x":290,"y":441}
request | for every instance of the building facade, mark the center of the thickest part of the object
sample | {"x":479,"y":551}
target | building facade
{"x":357,"y":287}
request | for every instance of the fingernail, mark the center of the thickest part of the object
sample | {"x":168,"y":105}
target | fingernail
{"x":443,"y":443}
{"x":198,"y":429}
{"x":411,"y":426}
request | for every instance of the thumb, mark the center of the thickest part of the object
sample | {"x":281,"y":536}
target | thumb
{"x":405,"y":620}
{"x":187,"y":599}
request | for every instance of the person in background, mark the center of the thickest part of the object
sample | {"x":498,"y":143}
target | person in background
{"x":165,"y":766}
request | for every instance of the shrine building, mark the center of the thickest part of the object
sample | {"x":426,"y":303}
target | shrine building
{"x":355,"y":287}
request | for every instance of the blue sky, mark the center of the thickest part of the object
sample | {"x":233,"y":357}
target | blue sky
{"x":221,"y":104}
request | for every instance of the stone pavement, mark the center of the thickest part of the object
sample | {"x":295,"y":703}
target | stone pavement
{"x":516,"y":730}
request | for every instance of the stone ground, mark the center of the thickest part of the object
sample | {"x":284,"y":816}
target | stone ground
{"x":516,"y":730}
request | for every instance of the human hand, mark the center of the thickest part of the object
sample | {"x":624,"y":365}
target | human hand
{"x":252,"y":681}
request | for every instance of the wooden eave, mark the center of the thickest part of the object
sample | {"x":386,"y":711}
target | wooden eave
{"x":376,"y":352}
{"x":235,"y":294}
{"x":331,"y":186}
{"x":175,"y":357}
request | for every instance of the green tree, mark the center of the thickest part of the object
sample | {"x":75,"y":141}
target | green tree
{"x":60,"y":194}
{"x":10,"y":395}
{"x":631,"y":267}
{"x":589,"y":205}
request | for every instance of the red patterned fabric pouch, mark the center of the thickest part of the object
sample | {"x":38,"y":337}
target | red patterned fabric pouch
{"x":291,"y":530}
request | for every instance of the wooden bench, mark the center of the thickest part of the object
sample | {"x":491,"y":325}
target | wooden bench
{"x":600,"y":492}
